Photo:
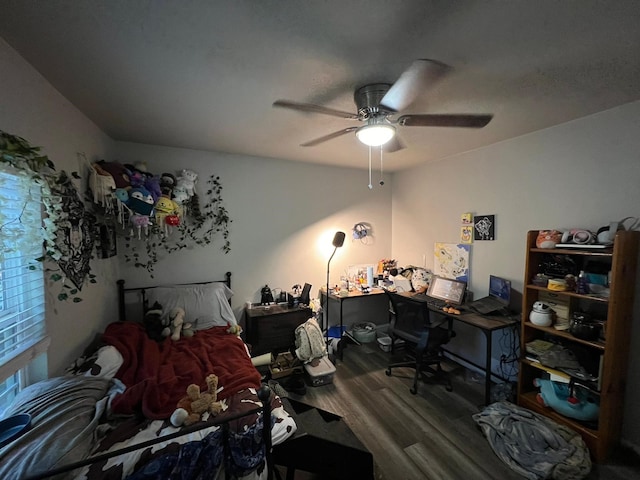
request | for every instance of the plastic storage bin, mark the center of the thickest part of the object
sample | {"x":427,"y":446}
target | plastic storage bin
{"x":320,"y":372}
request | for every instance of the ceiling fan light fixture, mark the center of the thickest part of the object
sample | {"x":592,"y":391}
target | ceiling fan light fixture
{"x":375,"y":135}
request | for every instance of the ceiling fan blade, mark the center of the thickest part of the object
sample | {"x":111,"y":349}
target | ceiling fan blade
{"x":331,"y":136}
{"x":444,"y":120}
{"x":393,"y":145}
{"x":309,"y":107}
{"x":413,"y":81}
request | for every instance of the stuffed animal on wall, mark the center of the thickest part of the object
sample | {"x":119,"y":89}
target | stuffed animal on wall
{"x":177,"y":327}
{"x":153,"y":323}
{"x":188,"y":181}
{"x":192,"y":407}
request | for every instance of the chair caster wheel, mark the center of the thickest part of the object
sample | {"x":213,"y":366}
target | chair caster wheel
{"x":388,"y":372}
{"x":449,"y":388}
{"x":413,"y":390}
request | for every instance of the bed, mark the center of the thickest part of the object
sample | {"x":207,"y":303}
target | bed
{"x":109,"y":416}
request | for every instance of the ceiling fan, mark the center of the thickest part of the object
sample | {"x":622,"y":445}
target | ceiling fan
{"x":379,"y":104}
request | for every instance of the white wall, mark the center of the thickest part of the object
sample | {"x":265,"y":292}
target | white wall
{"x":284,"y":217}
{"x":581,"y":174}
{"x":31,"y":108}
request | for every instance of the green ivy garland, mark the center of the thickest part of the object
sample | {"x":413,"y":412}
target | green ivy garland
{"x":20,"y":155}
{"x":199,"y":228}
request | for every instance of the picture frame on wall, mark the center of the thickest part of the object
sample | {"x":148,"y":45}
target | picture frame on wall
{"x":484,"y":227}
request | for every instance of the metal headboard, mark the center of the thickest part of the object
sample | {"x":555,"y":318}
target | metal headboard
{"x":145,"y":302}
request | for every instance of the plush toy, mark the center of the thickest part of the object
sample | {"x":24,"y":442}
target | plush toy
{"x":234,"y":329}
{"x":188,"y":181}
{"x":153,"y":323}
{"x":141,"y":201}
{"x":568,"y":399}
{"x":167,"y":184}
{"x":177,"y":327}
{"x":196,"y":404}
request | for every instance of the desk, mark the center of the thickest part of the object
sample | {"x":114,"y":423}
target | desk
{"x":354,"y":294}
{"x":487,"y":324}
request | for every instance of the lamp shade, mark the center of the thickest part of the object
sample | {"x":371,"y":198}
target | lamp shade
{"x":375,"y":135}
{"x":338,"y":239}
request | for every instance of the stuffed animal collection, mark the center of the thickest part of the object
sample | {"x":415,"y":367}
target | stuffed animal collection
{"x":148,"y":199}
{"x":196,"y":404}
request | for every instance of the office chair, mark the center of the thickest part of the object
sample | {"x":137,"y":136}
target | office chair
{"x":410,"y":321}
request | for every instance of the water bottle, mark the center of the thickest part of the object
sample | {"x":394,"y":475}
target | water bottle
{"x":582,"y":285}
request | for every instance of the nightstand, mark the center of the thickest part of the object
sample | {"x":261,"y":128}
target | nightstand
{"x":272,"y":328}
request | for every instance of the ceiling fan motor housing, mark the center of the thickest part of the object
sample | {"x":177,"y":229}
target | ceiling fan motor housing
{"x":368,"y":98}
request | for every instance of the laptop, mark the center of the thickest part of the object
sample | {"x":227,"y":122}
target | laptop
{"x":445,"y":291}
{"x":498,"y":298}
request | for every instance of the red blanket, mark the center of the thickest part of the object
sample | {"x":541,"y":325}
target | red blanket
{"x":157,"y":375}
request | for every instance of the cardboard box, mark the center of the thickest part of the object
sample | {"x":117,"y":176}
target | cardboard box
{"x":284,"y":365}
{"x":320,"y":371}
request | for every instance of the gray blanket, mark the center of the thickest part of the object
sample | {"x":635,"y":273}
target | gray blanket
{"x":64,"y":414}
{"x":533,"y":445}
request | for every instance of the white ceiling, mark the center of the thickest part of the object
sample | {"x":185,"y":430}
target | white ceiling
{"x":203,"y":74}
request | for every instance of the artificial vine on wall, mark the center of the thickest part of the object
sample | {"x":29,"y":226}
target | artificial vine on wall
{"x":66,"y":229}
{"x":152,"y":226}
{"x":200,"y":228}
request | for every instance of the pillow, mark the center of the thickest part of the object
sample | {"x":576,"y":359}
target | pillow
{"x":205,"y":305}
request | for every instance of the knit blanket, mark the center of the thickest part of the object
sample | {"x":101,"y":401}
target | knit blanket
{"x":533,"y":445}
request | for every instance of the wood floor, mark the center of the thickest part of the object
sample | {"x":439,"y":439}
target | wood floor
{"x":430,"y":435}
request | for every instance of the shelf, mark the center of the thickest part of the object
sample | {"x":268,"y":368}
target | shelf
{"x":620,"y":261}
{"x":565,"y":334}
{"x":607,"y":252}
{"x":592,"y":297}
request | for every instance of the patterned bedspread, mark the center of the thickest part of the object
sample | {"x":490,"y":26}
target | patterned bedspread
{"x":91,"y":412}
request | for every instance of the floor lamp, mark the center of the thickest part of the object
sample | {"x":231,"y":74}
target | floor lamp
{"x":338,"y":241}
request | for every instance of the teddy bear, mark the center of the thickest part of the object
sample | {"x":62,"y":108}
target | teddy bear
{"x":177,"y":327}
{"x":234,"y":329}
{"x":191,"y":408}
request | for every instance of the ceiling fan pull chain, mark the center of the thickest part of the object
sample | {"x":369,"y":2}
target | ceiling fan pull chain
{"x":381,"y":167}
{"x":370,"y":186}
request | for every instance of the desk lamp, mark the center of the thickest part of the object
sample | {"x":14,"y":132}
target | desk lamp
{"x":338,"y":241}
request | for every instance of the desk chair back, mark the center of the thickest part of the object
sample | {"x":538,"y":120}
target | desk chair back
{"x":411,"y":321}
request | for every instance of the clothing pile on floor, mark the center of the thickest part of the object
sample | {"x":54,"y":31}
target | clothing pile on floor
{"x":533,"y":445}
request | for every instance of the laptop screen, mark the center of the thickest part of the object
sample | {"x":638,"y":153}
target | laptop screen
{"x":450,"y":291}
{"x":500,"y":289}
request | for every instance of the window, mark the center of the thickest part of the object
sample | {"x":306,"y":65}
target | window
{"x":22,"y":297}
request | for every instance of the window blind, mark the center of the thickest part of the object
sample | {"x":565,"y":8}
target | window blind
{"x":22,"y":295}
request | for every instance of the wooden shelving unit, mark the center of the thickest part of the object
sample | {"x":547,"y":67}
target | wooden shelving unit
{"x":621,"y":261}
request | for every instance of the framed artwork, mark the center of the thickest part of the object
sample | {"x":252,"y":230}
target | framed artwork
{"x":466,"y":219}
{"x":466,"y":234}
{"x":451,"y":260}
{"x":484,"y":227}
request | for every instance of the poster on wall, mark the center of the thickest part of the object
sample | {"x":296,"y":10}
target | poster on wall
{"x":451,"y":260}
{"x":484,"y":227}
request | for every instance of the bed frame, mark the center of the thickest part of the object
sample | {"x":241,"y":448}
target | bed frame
{"x":122,"y":291}
{"x":264,"y":394}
